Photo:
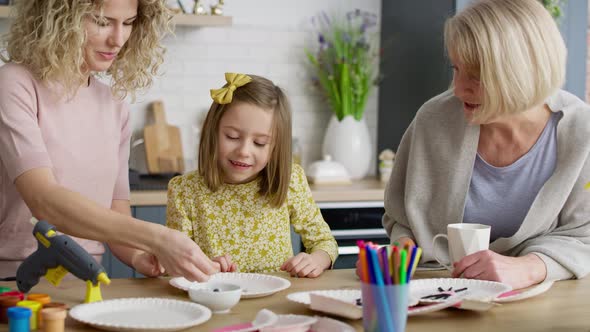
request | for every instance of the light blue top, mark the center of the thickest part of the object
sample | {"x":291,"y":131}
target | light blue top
{"x":502,"y":196}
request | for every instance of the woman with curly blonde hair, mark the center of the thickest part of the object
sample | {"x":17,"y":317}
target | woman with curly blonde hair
{"x":64,"y":135}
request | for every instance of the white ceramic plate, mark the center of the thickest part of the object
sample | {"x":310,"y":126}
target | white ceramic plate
{"x":252,"y":284}
{"x":518,"y":295}
{"x":480,"y":290}
{"x":141,"y":314}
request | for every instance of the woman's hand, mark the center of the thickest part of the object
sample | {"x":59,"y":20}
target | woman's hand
{"x":180,"y":256}
{"x":402,"y":241}
{"x":146,"y":264}
{"x":225,"y":263}
{"x":518,"y":272}
{"x":307,"y":265}
{"x":405,"y":241}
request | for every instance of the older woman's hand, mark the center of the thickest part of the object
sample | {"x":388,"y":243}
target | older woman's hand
{"x":518,"y":272}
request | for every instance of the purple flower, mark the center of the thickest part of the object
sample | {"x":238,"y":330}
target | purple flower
{"x":346,"y":37}
{"x":326,"y":18}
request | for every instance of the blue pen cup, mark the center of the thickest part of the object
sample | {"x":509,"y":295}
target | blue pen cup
{"x":19,"y":319}
{"x":385,"y":308}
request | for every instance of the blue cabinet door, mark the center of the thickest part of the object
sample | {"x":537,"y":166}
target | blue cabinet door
{"x":114,"y":267}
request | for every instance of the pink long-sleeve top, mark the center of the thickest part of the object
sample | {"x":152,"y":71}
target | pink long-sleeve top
{"x":83,"y":139}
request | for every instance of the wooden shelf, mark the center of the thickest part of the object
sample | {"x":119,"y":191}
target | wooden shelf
{"x":179,"y":19}
{"x":5,"y":11}
{"x":202,"y":20}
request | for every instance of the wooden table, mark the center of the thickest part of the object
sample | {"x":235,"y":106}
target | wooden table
{"x":565,"y":307}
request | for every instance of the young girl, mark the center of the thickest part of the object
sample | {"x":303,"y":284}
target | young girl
{"x":246,"y":193}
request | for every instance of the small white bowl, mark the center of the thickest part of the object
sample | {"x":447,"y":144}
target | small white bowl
{"x":217,"y":296}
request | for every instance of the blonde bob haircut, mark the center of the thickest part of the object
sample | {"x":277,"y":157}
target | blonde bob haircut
{"x":48,"y":37}
{"x":276,"y":176}
{"x":515,"y":49}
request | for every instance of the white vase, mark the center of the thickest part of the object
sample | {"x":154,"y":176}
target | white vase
{"x":349,"y":143}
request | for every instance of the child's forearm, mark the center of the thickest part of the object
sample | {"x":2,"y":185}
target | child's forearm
{"x":322,"y":258}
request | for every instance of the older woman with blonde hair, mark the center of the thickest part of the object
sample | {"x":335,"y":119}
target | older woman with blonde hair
{"x":503,"y":147}
{"x":64,"y":135}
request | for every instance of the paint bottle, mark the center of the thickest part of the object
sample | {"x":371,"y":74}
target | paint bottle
{"x":35,"y":307}
{"x":5,"y":303}
{"x":20,"y":295}
{"x":19,"y":319}
{"x":54,"y":319}
{"x":44,"y":299}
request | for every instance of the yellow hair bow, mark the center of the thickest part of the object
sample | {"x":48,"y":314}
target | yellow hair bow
{"x":226,"y":94}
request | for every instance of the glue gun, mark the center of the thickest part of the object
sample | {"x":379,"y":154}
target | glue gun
{"x":56,"y":255}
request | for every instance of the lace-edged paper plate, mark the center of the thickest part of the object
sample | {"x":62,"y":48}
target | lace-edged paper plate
{"x":345,"y":302}
{"x":521,"y":294}
{"x":440,"y":289}
{"x":141,"y":314}
{"x":252,"y":284}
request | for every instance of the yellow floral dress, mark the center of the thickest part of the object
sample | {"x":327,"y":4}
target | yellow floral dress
{"x":238,"y":221}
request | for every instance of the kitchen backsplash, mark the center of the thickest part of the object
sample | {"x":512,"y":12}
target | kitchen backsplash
{"x":267,"y":38}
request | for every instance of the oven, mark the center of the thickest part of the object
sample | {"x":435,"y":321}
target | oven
{"x":352,"y":221}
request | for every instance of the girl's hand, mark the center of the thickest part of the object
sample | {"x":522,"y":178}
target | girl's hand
{"x":518,"y":272}
{"x":146,"y":264}
{"x":225,"y":263}
{"x":307,"y":265}
{"x":180,"y":256}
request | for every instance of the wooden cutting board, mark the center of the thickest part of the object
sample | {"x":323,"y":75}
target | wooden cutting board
{"x":163,"y":146}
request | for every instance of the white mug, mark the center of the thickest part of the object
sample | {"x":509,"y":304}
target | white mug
{"x":464,"y":239}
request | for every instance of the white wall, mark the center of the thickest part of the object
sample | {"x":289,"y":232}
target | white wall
{"x":268,"y":39}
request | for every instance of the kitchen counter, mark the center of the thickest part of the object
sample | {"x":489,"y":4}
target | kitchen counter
{"x":363,"y":190}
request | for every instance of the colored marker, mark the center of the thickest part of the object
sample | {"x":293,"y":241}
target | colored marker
{"x":402,"y":267}
{"x":385,"y":319}
{"x":385,"y":270}
{"x":363,"y":261}
{"x":412,"y":257}
{"x":396,"y":265}
{"x":416,"y":260}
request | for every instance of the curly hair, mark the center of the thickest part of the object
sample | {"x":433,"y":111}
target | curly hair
{"x":48,"y":37}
